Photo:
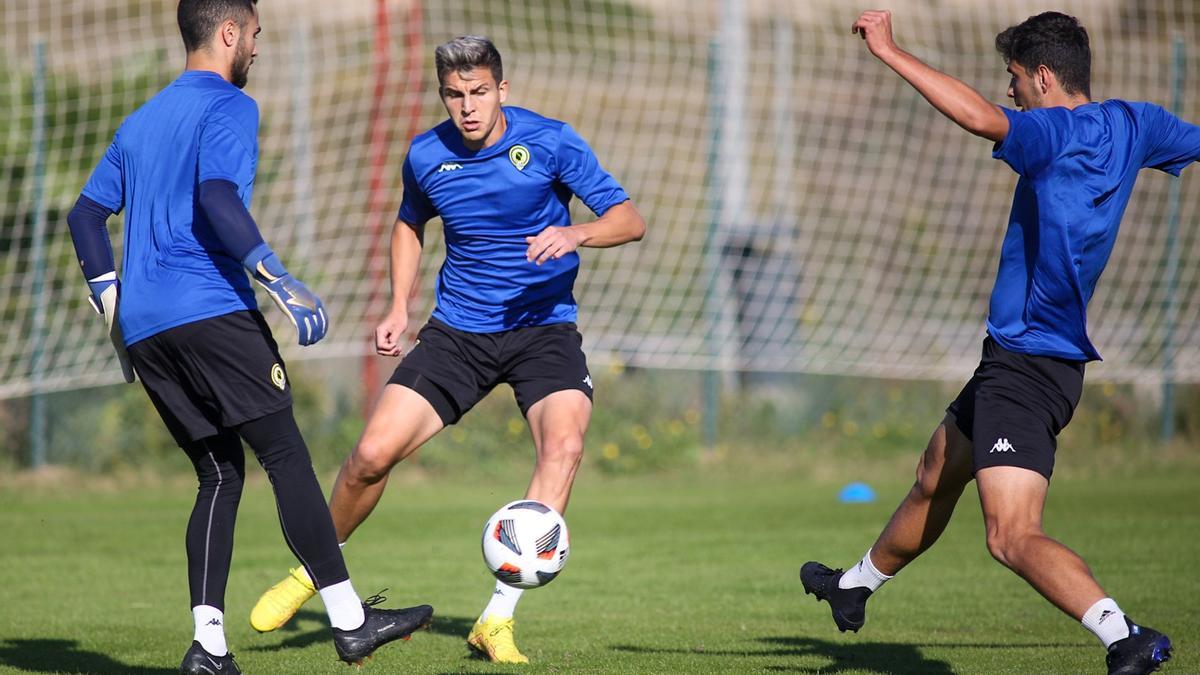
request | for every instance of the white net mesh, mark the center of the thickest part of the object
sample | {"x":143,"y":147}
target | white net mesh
{"x":807,"y":210}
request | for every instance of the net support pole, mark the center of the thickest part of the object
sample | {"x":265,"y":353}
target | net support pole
{"x":733,"y":72}
{"x":733,"y":175}
{"x":1171,"y":263}
{"x":712,"y":260}
{"x":37,"y":365}
{"x":378,"y":259}
{"x":305,"y":234}
{"x":783,"y":120}
{"x":727,"y":186}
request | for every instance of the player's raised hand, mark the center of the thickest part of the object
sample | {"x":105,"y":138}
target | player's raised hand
{"x":551,"y":243}
{"x":301,"y":305}
{"x":390,"y":332}
{"x":875,"y":26}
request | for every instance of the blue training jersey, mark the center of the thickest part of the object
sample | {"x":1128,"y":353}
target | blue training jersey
{"x":489,"y":201}
{"x":1077,"y":169}
{"x":174,"y":269}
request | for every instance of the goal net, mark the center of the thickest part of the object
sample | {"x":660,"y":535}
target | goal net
{"x":807,"y":210}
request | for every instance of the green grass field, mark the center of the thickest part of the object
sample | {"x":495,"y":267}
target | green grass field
{"x":693,"y":572}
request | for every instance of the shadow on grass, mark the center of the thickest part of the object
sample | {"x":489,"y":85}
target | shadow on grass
{"x":452,"y":626}
{"x":57,"y":656}
{"x":300,"y":634}
{"x":876,"y":657}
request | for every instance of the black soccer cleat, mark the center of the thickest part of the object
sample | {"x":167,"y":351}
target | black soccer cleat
{"x":849,"y":605}
{"x":1144,"y":651}
{"x":380,"y":627}
{"x":199,"y":662}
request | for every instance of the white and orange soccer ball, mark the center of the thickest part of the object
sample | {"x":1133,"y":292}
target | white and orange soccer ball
{"x":525,"y":544}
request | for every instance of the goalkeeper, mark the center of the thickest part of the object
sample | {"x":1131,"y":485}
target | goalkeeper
{"x":500,"y":178}
{"x":1077,"y":161}
{"x":182,"y":167}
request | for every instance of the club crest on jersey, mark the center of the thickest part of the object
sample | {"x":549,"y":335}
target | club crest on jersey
{"x":519,"y":156}
{"x":277,"y":377}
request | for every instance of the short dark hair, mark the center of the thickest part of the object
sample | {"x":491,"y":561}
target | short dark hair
{"x":1054,"y":40}
{"x":199,"y":18}
{"x":467,"y":52}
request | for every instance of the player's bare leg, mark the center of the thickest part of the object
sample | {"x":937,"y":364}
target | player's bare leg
{"x":1013,"y":499}
{"x":401,"y":422}
{"x":942,"y":473}
{"x":558,"y":423}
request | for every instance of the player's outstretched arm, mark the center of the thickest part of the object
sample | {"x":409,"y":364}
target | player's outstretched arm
{"x":406,"y":259}
{"x":240,"y":236}
{"x":952,"y":97}
{"x":620,"y":224}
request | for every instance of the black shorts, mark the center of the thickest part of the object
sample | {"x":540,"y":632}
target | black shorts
{"x":454,"y":369}
{"x":212,"y":374}
{"x":1014,"y":406}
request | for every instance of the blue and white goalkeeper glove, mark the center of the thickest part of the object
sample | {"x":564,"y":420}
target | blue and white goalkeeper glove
{"x":104,"y":299}
{"x":301,"y":305}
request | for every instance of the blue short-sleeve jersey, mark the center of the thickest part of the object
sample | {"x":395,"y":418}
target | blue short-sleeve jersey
{"x":1077,"y":168}
{"x":174,"y":269}
{"x":489,"y":201}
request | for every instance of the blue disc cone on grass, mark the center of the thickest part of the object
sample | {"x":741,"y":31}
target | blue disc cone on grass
{"x":856,"y":493}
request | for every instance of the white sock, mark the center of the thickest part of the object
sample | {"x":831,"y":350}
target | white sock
{"x":863,"y":574}
{"x":1107,"y":621}
{"x":504,"y":601}
{"x":343,"y":606}
{"x":210,"y":629}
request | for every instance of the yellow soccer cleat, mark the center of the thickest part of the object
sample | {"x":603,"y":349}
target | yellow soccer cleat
{"x":281,"y":601}
{"x":493,"y":638}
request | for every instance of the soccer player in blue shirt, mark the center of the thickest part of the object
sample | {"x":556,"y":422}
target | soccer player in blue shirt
{"x":500,"y":178}
{"x":182,"y":168}
{"x":1077,"y":161}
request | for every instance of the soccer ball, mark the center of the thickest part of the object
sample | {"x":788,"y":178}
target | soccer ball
{"x":525,"y":544}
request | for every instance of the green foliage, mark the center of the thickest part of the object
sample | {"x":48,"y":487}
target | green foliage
{"x":642,"y":422}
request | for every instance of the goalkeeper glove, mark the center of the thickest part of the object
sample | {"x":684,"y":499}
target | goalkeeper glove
{"x":301,"y":305}
{"x":104,"y":299}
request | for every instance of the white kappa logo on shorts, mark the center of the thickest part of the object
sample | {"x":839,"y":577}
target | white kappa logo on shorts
{"x":587,"y":379}
{"x":1002,"y":445}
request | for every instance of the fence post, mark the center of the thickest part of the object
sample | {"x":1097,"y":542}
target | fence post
{"x":712,"y":258}
{"x":37,"y":412}
{"x":1171,"y":264}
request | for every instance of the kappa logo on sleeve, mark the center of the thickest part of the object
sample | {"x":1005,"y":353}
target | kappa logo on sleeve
{"x":1002,"y":445}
